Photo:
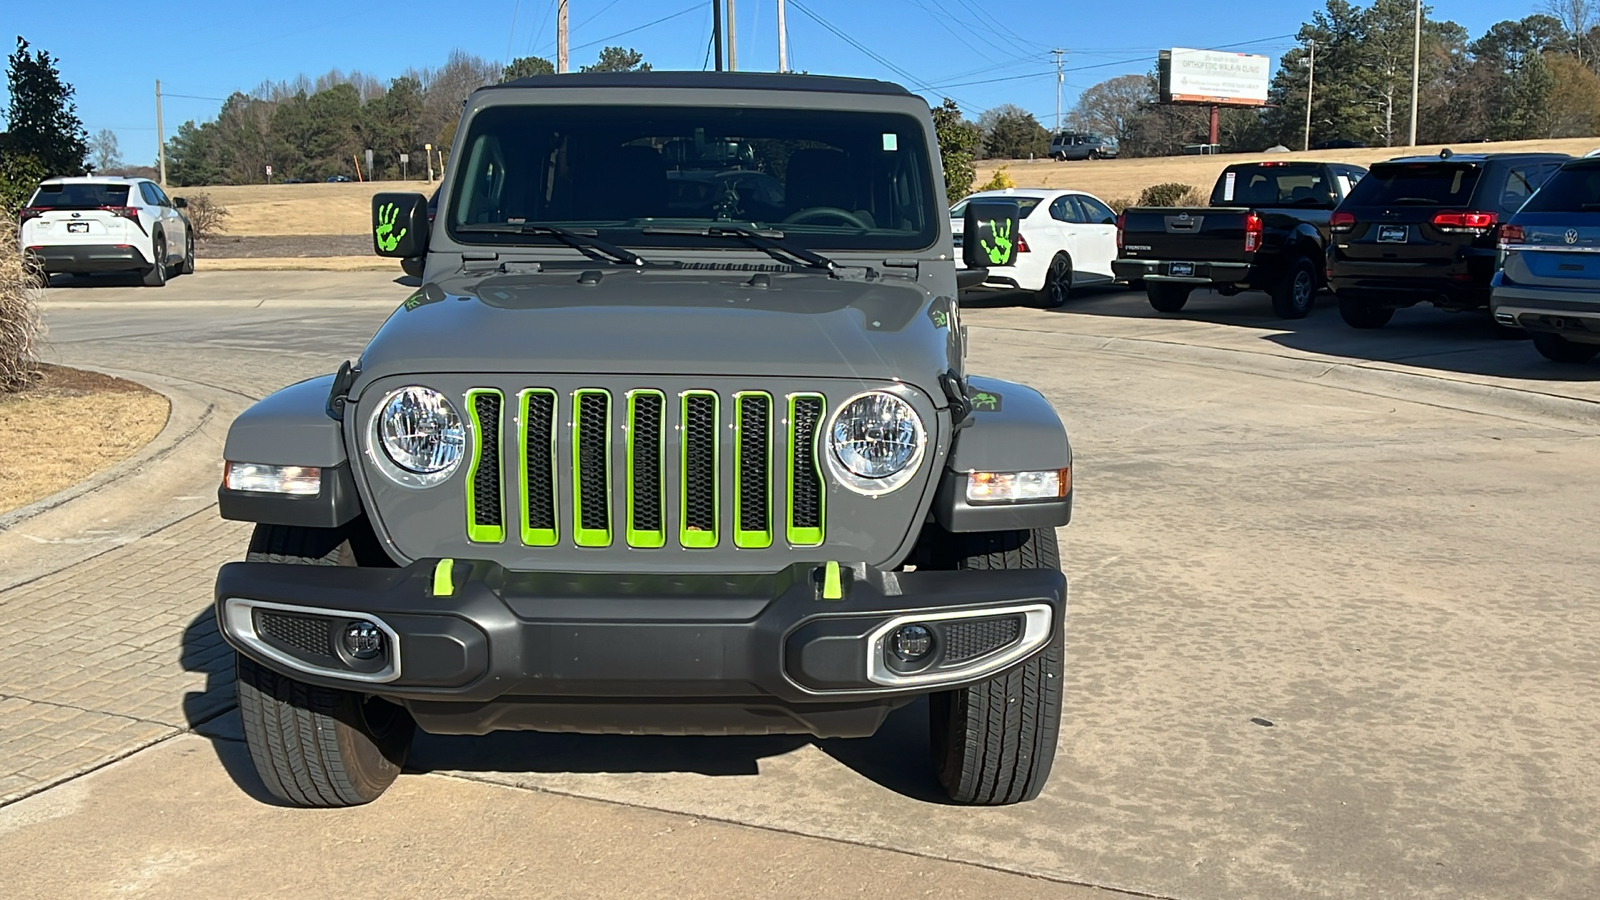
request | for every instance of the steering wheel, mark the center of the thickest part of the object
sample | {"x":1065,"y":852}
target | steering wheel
{"x":827,"y":212}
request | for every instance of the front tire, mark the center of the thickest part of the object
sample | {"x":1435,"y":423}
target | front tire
{"x":1296,"y":293}
{"x":156,"y":275}
{"x":994,"y":742}
{"x":315,"y":746}
{"x":187,"y":266}
{"x":1365,"y":314}
{"x":1166,"y":296}
{"x":1057,"y":283}
{"x":1556,"y":348}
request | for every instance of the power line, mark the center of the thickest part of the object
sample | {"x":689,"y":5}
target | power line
{"x":681,"y":12}
{"x":856,"y":44}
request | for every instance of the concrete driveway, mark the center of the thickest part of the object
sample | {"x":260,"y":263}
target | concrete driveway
{"x":1332,"y":634}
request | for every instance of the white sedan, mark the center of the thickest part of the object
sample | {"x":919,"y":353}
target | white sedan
{"x":1068,"y":239}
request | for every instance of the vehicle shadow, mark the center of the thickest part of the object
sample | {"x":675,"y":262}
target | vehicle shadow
{"x":1421,"y":336}
{"x":105,"y":280}
{"x":895,"y":758}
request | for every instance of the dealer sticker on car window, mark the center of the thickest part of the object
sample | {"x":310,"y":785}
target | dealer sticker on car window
{"x":891,"y":142}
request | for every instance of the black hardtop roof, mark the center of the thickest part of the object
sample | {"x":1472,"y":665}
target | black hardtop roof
{"x":1476,"y":158}
{"x":734,"y":81}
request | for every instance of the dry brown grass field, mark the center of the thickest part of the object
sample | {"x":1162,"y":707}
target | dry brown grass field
{"x":321,"y":208}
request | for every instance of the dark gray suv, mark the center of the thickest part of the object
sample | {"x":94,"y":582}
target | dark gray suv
{"x":677,"y":436}
{"x":1074,"y":146}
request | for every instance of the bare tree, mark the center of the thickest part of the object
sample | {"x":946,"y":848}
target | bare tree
{"x":104,"y":152}
{"x":1578,"y":18}
{"x":1111,"y":107}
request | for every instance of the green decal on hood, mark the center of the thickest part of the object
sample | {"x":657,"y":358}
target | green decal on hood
{"x":385,"y":234}
{"x":1001,"y":251}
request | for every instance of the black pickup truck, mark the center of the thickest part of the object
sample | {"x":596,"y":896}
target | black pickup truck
{"x":1266,"y":229}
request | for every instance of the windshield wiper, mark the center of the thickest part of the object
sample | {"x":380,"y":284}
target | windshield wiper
{"x":771,"y":242}
{"x":587,"y":245}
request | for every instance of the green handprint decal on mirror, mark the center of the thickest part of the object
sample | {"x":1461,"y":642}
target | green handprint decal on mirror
{"x":1001,"y":251}
{"x":385,"y":235}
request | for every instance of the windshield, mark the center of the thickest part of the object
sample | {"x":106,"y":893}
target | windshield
{"x":1573,"y":189}
{"x":79,"y":195}
{"x":634,"y":175}
{"x":1416,"y":184}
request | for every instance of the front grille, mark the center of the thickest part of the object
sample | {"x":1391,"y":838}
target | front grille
{"x":971,"y":638}
{"x":311,"y":635}
{"x":672,"y":466}
{"x":487,"y":521}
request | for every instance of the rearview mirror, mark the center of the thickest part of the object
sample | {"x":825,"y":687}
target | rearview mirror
{"x":989,"y":233}
{"x":400,"y":224}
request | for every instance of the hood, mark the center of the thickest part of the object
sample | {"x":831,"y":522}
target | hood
{"x":779,"y":324}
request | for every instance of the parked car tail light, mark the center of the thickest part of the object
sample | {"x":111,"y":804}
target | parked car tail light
{"x":31,"y":212}
{"x":1122,"y":221}
{"x":1022,"y":244}
{"x":1511,"y":234}
{"x":123,"y":212}
{"x":1465,"y":222}
{"x":1342,"y":222}
{"x":1252,"y":232}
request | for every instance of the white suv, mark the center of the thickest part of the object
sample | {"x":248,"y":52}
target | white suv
{"x":107,"y":224}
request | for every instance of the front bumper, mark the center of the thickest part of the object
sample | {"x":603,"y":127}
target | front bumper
{"x":472,"y":647}
{"x":1201,"y":272}
{"x":88,"y":258}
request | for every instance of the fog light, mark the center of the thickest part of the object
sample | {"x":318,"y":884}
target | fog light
{"x":301,"y":481}
{"x":363,"y":640}
{"x":912,"y":642}
{"x":1012,"y":487}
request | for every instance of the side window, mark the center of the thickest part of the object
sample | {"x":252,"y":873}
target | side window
{"x":1062,"y":210}
{"x":161,"y":196}
{"x":148,"y":190}
{"x":1520,"y":183}
{"x":1095,"y":212}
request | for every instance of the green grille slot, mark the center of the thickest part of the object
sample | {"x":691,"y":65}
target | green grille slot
{"x":536,"y":467}
{"x":591,"y":468}
{"x":752,"y":468}
{"x":485,"y":502}
{"x":698,"y":497}
{"x":807,"y":497}
{"x":647,"y":469}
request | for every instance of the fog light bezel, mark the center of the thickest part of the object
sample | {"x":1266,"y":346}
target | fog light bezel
{"x":1038,"y":627}
{"x":267,"y":478}
{"x":238,"y":621}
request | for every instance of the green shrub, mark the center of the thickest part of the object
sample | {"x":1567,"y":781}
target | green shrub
{"x":999,"y":181}
{"x":1171,"y":193}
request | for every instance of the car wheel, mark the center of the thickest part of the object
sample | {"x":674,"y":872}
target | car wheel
{"x":994,"y":742}
{"x":1359,"y":313}
{"x":187,"y":267}
{"x":1166,"y":296}
{"x":1556,"y":348}
{"x":311,"y":745}
{"x":1296,"y":293}
{"x":1057,"y":283}
{"x":156,"y":275}
{"x":1093,"y":154}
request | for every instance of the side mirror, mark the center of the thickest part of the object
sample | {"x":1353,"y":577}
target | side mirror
{"x":179,"y":203}
{"x":400,"y":224}
{"x":990,"y":233}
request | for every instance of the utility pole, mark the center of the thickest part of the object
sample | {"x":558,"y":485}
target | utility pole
{"x":1416,"y":73}
{"x":783,"y":41}
{"x":1058,"y":54}
{"x":1311,"y":81}
{"x":161,"y":136}
{"x":716,"y":30}
{"x":733,"y":42}
{"x":561,"y":36}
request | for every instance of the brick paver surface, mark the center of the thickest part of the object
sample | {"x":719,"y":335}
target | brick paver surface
{"x":114,"y":654}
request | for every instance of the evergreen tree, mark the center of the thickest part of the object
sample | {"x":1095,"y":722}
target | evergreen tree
{"x":42,"y":122}
{"x":958,"y":142}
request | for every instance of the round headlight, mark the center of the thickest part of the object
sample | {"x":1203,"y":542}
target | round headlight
{"x":875,"y":441}
{"x":420,"y":434}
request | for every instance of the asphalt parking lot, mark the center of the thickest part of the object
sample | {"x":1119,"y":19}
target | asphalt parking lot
{"x":1332,"y":634}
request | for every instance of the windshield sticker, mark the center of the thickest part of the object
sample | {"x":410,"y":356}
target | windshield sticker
{"x":1227,"y":186}
{"x":983,"y":401}
{"x":891,"y":142}
{"x":1001,"y":250}
{"x":384,"y":234}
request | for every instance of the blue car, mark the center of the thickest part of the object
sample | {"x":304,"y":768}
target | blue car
{"x":1550,"y":281}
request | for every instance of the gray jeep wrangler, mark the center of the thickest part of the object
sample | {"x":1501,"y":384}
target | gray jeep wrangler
{"x":676,"y":437}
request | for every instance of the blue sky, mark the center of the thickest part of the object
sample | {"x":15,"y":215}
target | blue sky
{"x":214,"y":48}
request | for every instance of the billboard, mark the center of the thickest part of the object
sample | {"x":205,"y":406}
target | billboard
{"x":1213,"y":77}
